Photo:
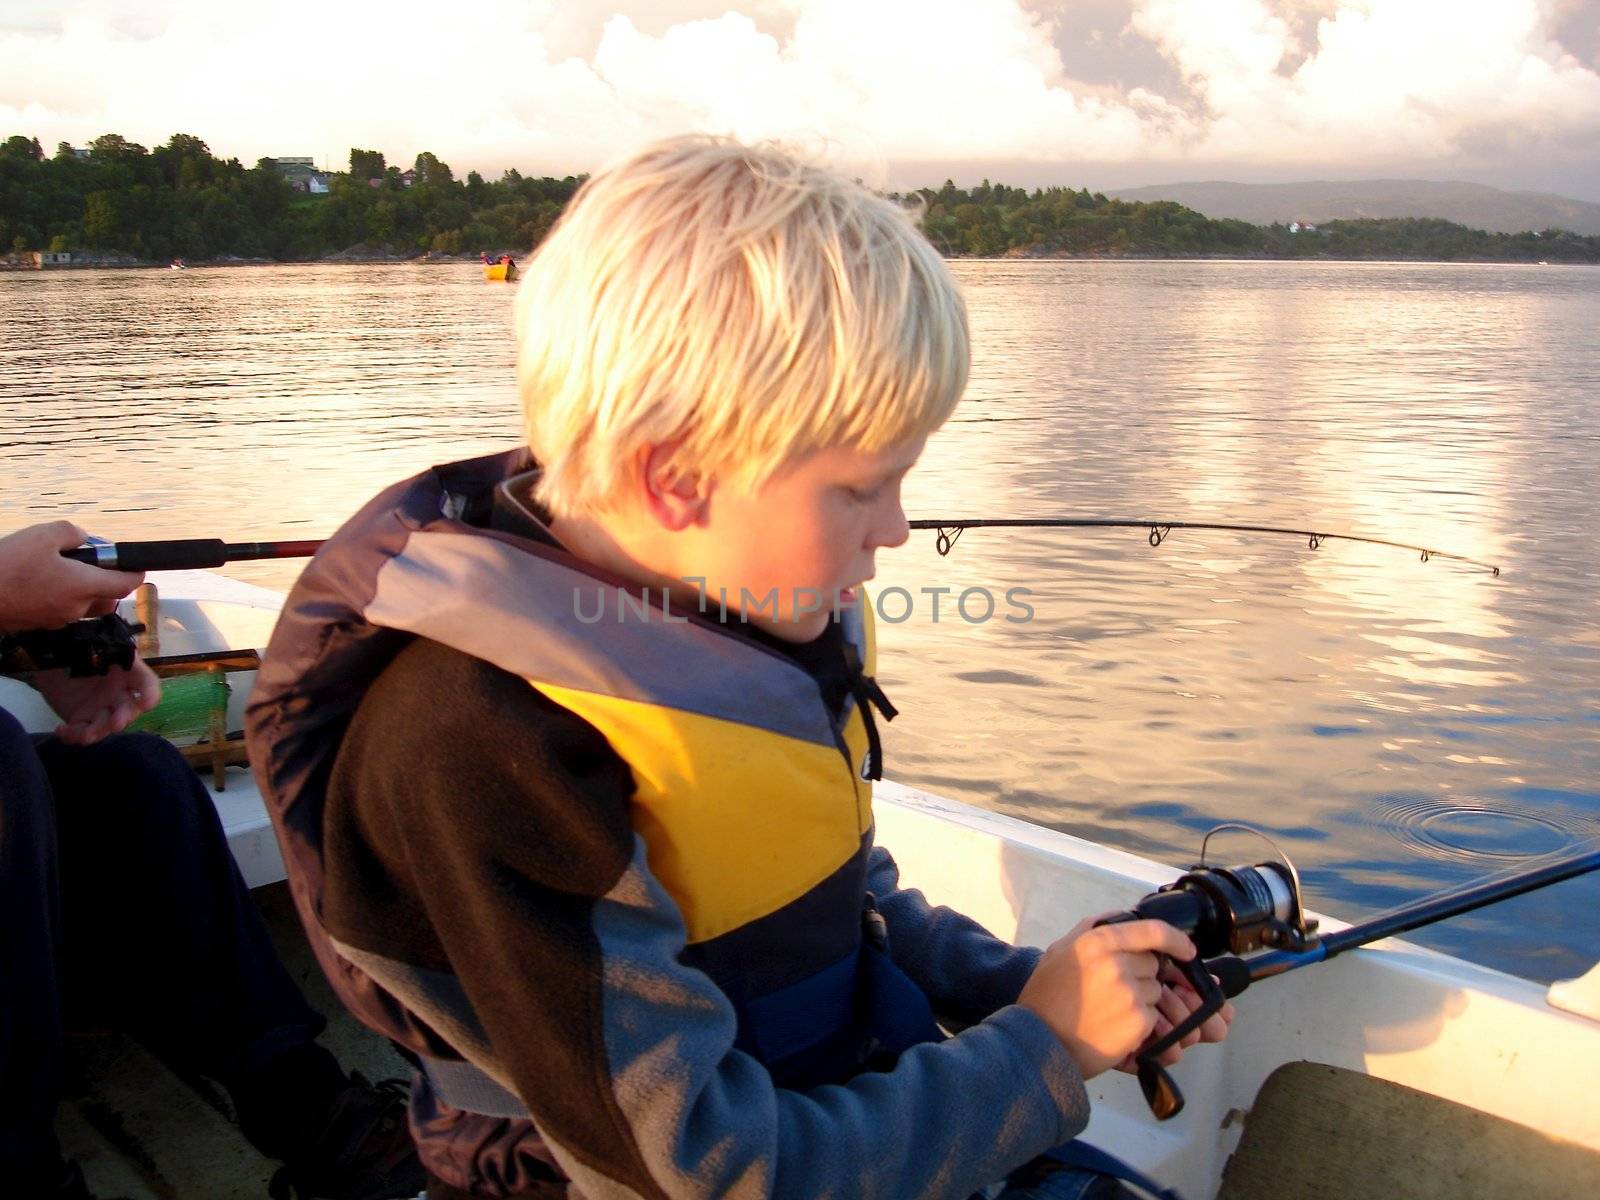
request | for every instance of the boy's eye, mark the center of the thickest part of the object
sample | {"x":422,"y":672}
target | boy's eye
{"x":864,"y":495}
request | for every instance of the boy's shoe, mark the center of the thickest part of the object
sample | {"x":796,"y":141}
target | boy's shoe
{"x":364,"y":1151}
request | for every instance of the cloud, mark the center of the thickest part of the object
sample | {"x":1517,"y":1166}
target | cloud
{"x":1384,"y":82}
{"x":560,"y":87}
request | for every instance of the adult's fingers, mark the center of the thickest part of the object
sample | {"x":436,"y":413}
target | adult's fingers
{"x":147,"y":696}
{"x":100,"y":582}
{"x":86,"y":727}
{"x":89,"y":581}
{"x":64,"y":534}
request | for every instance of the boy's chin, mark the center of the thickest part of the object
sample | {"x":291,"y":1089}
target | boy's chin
{"x":798,"y":629}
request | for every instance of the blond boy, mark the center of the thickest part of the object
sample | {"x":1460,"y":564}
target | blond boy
{"x":573,"y":770}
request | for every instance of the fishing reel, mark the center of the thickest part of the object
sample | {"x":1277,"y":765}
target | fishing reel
{"x":1224,"y":911}
{"x":88,"y":647}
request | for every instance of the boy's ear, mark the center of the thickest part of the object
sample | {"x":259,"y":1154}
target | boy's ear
{"x":675,"y":498}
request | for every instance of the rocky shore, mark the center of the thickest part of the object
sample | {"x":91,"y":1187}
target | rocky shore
{"x":361,"y":252}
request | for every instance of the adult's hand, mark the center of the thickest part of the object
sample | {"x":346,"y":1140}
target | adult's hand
{"x":41,"y":590}
{"x":93,"y":706}
{"x":1098,"y":988}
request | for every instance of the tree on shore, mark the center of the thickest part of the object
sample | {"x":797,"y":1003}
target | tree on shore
{"x":181,"y":200}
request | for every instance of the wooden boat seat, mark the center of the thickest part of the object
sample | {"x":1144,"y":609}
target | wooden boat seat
{"x":1317,"y":1132}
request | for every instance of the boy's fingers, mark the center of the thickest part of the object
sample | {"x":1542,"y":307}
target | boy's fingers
{"x":1144,"y":936}
{"x":1144,"y":966}
{"x":1216,"y":1027}
{"x":1089,"y":923}
{"x":1177,"y":1009}
{"x":1173,"y":977}
{"x":1167,"y":1057}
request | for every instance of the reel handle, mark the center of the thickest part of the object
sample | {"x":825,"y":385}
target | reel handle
{"x":1161,"y":1091}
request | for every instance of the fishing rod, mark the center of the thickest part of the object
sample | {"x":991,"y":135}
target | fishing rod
{"x":101,"y":641}
{"x":949,"y":532}
{"x":93,"y":645}
{"x":184,"y":554}
{"x":1417,"y":914}
{"x":1231,"y":913}
{"x":199,"y":553}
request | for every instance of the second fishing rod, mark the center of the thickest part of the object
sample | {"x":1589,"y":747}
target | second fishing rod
{"x":205,"y":553}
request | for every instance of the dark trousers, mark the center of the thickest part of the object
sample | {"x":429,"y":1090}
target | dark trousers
{"x":121,"y":906}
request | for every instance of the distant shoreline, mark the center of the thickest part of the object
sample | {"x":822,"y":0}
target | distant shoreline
{"x":437,"y":260}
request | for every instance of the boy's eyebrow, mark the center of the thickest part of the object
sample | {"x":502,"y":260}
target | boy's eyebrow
{"x":890,"y":472}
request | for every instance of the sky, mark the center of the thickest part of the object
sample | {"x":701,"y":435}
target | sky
{"x":1103,"y":93}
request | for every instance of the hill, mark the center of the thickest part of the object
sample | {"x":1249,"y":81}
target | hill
{"x":180,"y":200}
{"x":1474,"y":205}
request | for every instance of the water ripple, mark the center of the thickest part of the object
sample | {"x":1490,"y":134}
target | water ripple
{"x":1471,"y":831}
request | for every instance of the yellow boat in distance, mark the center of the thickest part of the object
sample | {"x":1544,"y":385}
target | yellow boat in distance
{"x":500,"y":272}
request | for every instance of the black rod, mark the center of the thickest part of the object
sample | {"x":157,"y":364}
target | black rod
{"x":212,"y":552}
{"x":1458,"y":901}
{"x":1427,"y":911}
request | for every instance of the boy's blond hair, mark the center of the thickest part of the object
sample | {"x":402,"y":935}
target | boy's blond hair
{"x":738,"y":305}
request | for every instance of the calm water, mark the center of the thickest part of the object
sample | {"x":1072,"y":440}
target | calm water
{"x":1399,"y":726}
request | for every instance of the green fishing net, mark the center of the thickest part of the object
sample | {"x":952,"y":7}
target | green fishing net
{"x":187,"y":702}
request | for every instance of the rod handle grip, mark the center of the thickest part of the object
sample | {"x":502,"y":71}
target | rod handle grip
{"x":181,"y":555}
{"x":1231,"y":972}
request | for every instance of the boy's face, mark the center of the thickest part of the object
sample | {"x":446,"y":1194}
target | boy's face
{"x":788,"y":553}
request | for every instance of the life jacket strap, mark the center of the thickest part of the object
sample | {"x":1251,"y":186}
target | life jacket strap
{"x":868,"y":695}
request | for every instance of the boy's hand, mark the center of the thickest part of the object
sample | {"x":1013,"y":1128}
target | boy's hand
{"x":1097,"y":988}
{"x":41,"y":590}
{"x":1178,"y":1000}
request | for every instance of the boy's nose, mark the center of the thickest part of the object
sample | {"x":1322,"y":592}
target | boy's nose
{"x":894,"y":530}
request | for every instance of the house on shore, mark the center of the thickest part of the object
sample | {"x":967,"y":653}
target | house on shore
{"x":302,"y":175}
{"x":36,"y":260}
{"x":43,"y":260}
